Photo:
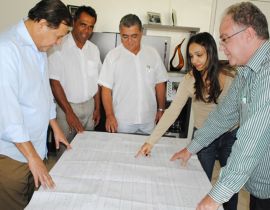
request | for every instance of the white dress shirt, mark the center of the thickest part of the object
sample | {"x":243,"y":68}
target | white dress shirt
{"x":76,"y":69}
{"x":132,"y":79}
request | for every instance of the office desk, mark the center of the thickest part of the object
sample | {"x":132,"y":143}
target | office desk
{"x":101,"y":173}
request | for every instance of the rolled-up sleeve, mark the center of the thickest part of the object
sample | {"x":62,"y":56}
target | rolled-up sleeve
{"x":106,"y":74}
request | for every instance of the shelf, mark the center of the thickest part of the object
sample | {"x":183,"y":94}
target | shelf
{"x":192,"y":30}
{"x":181,"y":73}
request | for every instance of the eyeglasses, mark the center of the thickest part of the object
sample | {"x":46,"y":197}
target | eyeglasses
{"x":225,"y":39}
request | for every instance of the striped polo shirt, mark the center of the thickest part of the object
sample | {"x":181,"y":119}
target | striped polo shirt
{"x":247,"y":103}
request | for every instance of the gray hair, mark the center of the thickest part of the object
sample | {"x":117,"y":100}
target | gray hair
{"x":130,"y":20}
{"x":247,"y":14}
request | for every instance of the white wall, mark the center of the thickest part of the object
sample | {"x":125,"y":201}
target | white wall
{"x":204,"y":14}
{"x":193,"y":13}
{"x":13,"y":10}
{"x":110,"y":11}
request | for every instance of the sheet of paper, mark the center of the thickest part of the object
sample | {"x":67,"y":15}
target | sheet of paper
{"x":101,"y":172}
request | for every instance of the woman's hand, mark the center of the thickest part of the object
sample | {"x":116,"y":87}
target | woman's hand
{"x":145,"y":150}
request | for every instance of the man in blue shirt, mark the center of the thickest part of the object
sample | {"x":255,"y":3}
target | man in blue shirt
{"x":26,"y":105}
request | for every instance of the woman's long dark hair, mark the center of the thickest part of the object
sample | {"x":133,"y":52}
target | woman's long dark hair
{"x":213,"y":69}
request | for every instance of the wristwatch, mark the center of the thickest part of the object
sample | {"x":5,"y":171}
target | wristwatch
{"x":160,"y":110}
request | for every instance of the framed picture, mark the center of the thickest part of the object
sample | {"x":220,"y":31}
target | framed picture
{"x":153,"y":18}
{"x":172,"y":86}
{"x":72,"y":9}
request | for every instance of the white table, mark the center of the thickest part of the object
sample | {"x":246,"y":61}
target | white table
{"x":101,"y":173}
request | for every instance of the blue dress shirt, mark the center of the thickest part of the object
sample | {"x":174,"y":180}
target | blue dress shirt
{"x":26,"y":101}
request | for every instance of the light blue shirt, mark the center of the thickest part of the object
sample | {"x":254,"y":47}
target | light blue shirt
{"x":26,"y":101}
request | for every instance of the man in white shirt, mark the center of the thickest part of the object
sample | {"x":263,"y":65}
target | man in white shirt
{"x":73,"y":69}
{"x":133,"y":82}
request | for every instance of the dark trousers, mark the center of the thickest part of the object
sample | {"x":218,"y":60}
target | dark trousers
{"x":219,"y":149}
{"x":259,"y":204}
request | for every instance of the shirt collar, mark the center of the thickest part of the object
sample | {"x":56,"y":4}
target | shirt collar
{"x":126,"y":50}
{"x":71,"y":42}
{"x":254,"y":62}
{"x":24,"y":36}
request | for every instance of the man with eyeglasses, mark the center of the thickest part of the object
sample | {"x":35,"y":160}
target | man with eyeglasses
{"x":133,"y":82}
{"x":245,"y":41}
{"x":73,"y":69}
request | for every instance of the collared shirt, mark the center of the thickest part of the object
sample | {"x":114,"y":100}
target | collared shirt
{"x":76,"y":69}
{"x":132,"y":79}
{"x":248,"y":101}
{"x":26,"y":104}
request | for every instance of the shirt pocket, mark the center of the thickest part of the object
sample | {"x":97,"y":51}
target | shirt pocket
{"x":92,"y":69}
{"x":150,"y":74}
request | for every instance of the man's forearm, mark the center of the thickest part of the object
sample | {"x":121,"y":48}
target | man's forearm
{"x":28,"y":150}
{"x":54,"y":125}
{"x":97,"y":100}
{"x":160,"y":95}
{"x":60,"y":96}
{"x":107,"y":101}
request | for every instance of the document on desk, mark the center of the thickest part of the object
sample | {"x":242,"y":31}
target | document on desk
{"x":101,"y":173}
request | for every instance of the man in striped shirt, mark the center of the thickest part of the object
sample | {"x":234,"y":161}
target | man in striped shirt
{"x":245,"y":41}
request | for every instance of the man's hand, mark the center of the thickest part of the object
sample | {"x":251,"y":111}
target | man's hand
{"x":36,"y":165}
{"x":208,"y":203}
{"x":111,"y":124}
{"x":74,"y":122}
{"x":59,"y":137}
{"x":183,"y":155}
{"x":96,"y":117}
{"x":61,"y":99}
{"x":40,"y":173}
{"x":145,"y":150}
